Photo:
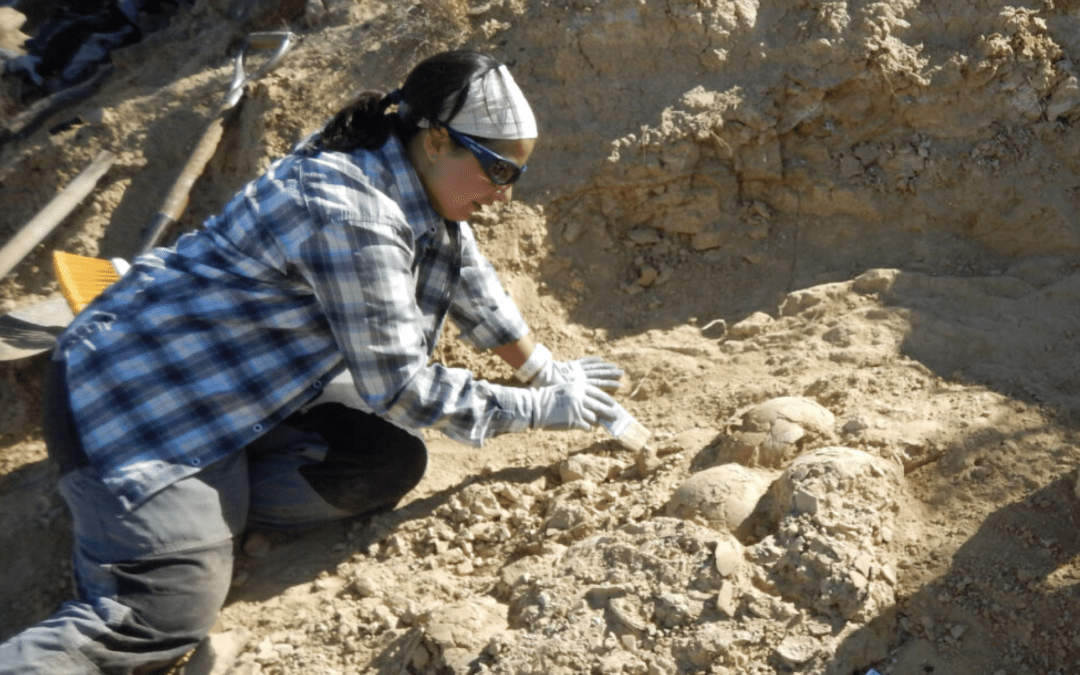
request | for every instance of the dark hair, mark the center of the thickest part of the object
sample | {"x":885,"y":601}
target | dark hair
{"x":364,"y":123}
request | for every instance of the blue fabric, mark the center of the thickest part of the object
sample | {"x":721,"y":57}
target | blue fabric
{"x":328,"y":261}
{"x":328,"y":463}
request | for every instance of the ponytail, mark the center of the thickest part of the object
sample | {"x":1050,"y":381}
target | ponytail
{"x":434,"y":91}
{"x":361,"y":124}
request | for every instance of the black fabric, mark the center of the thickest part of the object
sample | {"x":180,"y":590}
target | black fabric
{"x":61,"y":436}
{"x":371,"y":464}
{"x":73,"y":39}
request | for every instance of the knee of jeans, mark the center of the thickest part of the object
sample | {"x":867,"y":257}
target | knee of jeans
{"x":376,"y":484}
{"x":175,"y":596}
{"x":413,"y":464}
{"x":397,"y":472}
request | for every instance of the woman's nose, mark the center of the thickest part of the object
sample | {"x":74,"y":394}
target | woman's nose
{"x":505,"y":193}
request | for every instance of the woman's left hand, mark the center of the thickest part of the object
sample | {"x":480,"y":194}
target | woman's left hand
{"x":591,"y":369}
{"x":542,"y":370}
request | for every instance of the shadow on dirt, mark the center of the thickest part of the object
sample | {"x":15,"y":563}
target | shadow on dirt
{"x":36,"y":523}
{"x":1032,"y":585}
{"x":37,"y":534}
{"x":295,"y":558}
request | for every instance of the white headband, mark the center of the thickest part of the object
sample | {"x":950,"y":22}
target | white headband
{"x":494,"y":108}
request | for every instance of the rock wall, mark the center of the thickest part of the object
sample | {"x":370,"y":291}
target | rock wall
{"x":879,"y":133}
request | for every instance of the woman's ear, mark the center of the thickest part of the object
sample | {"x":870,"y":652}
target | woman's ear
{"x":436,"y":142}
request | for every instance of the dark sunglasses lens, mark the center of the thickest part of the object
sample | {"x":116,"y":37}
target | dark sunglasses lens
{"x":502,"y":172}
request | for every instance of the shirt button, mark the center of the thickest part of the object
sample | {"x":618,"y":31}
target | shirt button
{"x":318,"y":384}
{"x":195,"y":461}
{"x":257,"y":427}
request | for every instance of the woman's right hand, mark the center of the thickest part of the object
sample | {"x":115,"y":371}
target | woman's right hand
{"x":571,"y":405}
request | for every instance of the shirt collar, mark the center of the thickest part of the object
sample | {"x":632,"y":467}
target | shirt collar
{"x":407,"y":190}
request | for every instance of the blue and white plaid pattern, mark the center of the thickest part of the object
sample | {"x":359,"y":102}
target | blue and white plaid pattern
{"x":327,"y":261}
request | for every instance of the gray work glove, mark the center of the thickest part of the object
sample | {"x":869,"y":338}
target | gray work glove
{"x":541,"y":370}
{"x":571,"y":405}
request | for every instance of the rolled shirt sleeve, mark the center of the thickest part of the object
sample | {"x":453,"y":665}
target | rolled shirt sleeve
{"x":386,"y":283}
{"x":484,"y":313}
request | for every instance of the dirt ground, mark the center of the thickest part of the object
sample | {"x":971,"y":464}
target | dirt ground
{"x":832,"y":244}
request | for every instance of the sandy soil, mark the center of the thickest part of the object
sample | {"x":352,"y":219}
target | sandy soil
{"x":833,"y":245}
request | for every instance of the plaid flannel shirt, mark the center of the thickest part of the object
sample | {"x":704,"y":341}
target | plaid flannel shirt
{"x":327,"y":261}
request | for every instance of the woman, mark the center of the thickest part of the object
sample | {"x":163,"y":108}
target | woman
{"x":182,"y":404}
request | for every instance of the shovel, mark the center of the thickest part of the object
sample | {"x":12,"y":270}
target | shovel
{"x":177,"y":199}
{"x":34,"y":329}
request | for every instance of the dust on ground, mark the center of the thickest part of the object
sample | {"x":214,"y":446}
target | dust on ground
{"x":833,"y":245}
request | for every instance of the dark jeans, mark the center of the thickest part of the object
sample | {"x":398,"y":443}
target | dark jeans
{"x":151,"y":580}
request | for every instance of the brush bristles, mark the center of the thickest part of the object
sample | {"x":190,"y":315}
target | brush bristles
{"x":82,"y":278}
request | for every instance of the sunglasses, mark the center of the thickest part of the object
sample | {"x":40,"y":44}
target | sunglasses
{"x":497,"y":168}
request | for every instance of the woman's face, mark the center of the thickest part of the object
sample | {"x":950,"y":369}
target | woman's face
{"x":455,"y":182}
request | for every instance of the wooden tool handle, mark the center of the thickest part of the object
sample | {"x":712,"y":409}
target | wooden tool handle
{"x":54,"y":213}
{"x":177,"y":199}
